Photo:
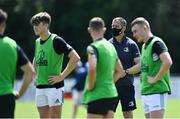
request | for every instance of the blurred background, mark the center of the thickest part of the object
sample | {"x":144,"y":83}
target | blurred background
{"x":70,"y":20}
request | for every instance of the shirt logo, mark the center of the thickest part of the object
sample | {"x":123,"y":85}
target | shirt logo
{"x":57,"y":101}
{"x":126,"y":49}
{"x":41,"y":61}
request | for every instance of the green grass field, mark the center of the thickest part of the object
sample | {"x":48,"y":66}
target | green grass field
{"x":28,"y":110}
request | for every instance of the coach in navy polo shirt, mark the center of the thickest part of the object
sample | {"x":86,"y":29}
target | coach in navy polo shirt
{"x":129,"y":55}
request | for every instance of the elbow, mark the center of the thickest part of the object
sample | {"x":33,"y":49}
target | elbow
{"x":92,"y":70}
{"x":122,"y":74}
{"x":31,"y":75}
{"x":76,"y":57}
{"x":169,"y":63}
{"x":32,"y":72}
{"x":28,"y":77}
{"x":29,"y":71}
{"x":91,"y":87}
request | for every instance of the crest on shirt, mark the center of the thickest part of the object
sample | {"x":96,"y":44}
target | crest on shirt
{"x":126,"y":49}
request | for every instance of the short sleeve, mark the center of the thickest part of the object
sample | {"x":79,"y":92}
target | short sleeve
{"x":22,"y":58}
{"x":92,"y":50}
{"x":159,"y":47}
{"x":60,"y":46}
{"x":135,"y":50}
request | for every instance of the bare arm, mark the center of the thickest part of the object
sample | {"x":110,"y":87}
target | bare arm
{"x":73,"y":59}
{"x":166,"y":64}
{"x":135,"y":68}
{"x":27,"y":77}
{"x":119,"y":72}
{"x":34,"y":64}
{"x":92,"y":60}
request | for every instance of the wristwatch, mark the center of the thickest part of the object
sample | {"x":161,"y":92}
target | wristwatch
{"x":127,"y":72}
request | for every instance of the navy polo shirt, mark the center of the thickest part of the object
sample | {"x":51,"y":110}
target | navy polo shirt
{"x":80,"y":76}
{"x":127,"y":50}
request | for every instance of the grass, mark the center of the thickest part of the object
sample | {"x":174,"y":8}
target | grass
{"x":28,"y":110}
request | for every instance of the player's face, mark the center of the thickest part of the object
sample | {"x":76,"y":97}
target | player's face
{"x":138,"y":32}
{"x":116,"y":24}
{"x":38,"y":28}
{"x":117,"y":28}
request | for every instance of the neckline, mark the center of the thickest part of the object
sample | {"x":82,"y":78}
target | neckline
{"x":44,"y":41}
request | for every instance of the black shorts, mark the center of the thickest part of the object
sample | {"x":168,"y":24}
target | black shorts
{"x":7,"y":106}
{"x":126,"y":95}
{"x":101,"y":106}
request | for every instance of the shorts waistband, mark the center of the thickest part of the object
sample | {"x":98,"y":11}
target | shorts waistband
{"x":50,"y":86}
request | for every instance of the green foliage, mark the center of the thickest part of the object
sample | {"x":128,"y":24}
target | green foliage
{"x":70,"y":20}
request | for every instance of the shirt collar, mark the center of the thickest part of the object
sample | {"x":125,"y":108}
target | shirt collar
{"x":123,"y":40}
{"x":148,"y":42}
{"x":150,"y":39}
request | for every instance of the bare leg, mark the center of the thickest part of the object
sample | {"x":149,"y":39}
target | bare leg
{"x":55,"y":111}
{"x":110,"y":114}
{"x":147,"y":115}
{"x":75,"y":107}
{"x":44,"y":112}
{"x":157,"y":114}
{"x":91,"y":116}
{"x":128,"y":114}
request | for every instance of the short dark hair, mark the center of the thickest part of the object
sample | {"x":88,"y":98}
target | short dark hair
{"x":121,"y":20}
{"x":41,"y":17}
{"x":96,"y":23}
{"x":140,"y":21}
{"x":3,"y":16}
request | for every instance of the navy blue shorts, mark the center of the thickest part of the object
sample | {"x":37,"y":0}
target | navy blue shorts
{"x":101,"y":106}
{"x":126,"y":95}
{"x":7,"y":106}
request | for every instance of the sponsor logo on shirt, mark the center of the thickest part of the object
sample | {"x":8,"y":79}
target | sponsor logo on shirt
{"x":41,"y":61}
